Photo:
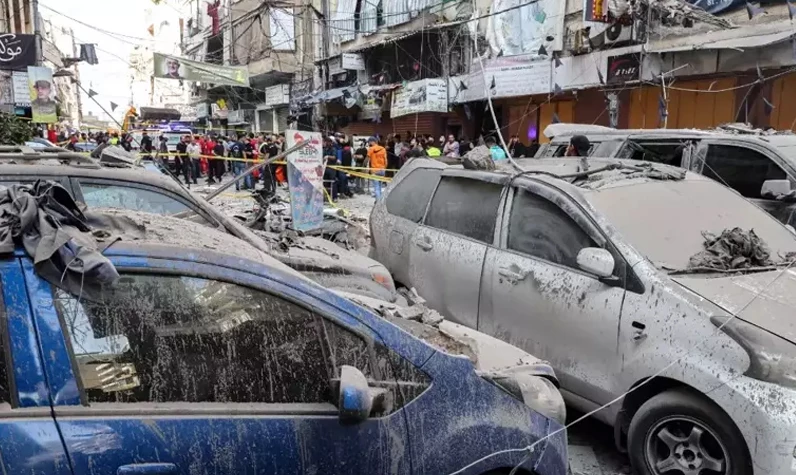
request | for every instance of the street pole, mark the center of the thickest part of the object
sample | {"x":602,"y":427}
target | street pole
{"x":37,"y":32}
{"x":76,"y":81}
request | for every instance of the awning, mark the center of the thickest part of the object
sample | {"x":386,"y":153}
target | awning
{"x":157,"y":113}
{"x":756,"y":36}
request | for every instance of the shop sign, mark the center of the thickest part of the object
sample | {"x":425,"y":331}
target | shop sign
{"x":236,"y":117}
{"x":277,"y":95}
{"x":623,"y":68}
{"x":219,"y":112}
{"x":19,"y":85}
{"x":202,"y":110}
{"x":595,"y":10}
{"x":353,"y":61}
{"x":427,"y":95}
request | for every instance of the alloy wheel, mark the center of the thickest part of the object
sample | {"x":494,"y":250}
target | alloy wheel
{"x":681,"y":445}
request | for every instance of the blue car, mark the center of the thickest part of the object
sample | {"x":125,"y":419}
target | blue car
{"x":208,"y":357}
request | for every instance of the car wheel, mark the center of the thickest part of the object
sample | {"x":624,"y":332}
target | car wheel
{"x":681,"y":433}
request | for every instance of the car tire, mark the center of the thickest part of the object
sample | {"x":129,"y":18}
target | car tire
{"x":680,"y":432}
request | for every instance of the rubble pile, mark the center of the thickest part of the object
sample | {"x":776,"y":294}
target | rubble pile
{"x":730,"y":250}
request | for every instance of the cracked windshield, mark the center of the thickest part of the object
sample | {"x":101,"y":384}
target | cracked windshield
{"x":443,"y":237}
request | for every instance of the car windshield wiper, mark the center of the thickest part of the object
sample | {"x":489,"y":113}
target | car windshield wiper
{"x":715,"y":270}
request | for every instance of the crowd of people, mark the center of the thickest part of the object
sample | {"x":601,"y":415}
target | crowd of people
{"x":211,"y":156}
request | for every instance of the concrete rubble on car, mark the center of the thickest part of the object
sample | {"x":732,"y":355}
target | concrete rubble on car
{"x":487,"y":353}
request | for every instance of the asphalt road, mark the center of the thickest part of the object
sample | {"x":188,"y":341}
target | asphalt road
{"x":592,"y":450}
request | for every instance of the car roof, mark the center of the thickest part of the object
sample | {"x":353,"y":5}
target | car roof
{"x":618,"y":172}
{"x":561,"y":132}
{"x":74,"y":164}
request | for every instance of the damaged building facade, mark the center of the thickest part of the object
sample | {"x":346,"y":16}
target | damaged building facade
{"x":269,"y":39}
{"x":429,"y":67}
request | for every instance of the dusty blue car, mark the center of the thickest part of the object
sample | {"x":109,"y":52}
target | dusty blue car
{"x":209,"y":357}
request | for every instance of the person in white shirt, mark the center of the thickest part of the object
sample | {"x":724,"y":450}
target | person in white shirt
{"x":194,"y":151}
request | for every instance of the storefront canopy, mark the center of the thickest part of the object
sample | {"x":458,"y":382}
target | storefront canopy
{"x":157,"y":113}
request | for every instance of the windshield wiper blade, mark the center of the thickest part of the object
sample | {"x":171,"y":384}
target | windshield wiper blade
{"x":714,"y":270}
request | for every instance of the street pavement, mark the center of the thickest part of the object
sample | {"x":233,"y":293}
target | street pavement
{"x":592,"y":450}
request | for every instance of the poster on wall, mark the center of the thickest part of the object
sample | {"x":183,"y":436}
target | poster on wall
{"x":427,"y":95}
{"x":42,"y":95}
{"x":305,"y":179}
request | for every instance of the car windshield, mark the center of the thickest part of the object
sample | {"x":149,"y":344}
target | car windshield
{"x":665,"y":220}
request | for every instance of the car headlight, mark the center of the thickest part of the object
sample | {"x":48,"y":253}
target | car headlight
{"x":538,"y":393}
{"x":772,"y":358}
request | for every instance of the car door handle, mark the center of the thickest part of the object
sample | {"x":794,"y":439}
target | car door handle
{"x":513,"y":275}
{"x":638,"y":331}
{"x":424,"y":245}
{"x":147,"y":469}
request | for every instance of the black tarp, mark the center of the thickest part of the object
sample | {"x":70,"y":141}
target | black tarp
{"x":47,"y":223}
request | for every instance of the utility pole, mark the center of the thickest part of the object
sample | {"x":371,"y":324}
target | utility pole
{"x":37,"y":31}
{"x":76,"y":80}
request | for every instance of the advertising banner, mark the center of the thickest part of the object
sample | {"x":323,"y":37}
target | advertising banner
{"x":427,"y":95}
{"x":305,"y":179}
{"x":174,"y":67}
{"x":17,"y":51}
{"x":505,"y":77}
{"x":42,"y":94}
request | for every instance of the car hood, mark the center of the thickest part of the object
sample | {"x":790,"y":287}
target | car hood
{"x":488,"y":354}
{"x":766,"y":299}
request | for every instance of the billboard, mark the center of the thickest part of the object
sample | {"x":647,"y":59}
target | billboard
{"x":305,"y":179}
{"x":42,"y":94}
{"x":427,"y":95}
{"x":174,"y":67}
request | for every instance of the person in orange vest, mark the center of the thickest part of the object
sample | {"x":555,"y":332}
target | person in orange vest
{"x":378,"y":163}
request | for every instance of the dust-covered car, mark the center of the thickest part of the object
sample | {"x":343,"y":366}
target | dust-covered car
{"x":134,"y":188}
{"x":759,"y":165}
{"x":180,"y":349}
{"x":627,"y":277}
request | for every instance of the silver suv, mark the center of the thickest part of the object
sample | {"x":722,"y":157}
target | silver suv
{"x":595,"y":276}
{"x":761,"y":166}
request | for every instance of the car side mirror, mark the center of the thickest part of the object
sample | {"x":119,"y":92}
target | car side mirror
{"x":597,"y":261}
{"x":355,"y":399}
{"x":775,"y":188}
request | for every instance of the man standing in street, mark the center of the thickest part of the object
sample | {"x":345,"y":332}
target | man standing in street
{"x":146,"y":145}
{"x":451,"y":148}
{"x":181,"y":160}
{"x":194,"y":154}
{"x":378,"y":163}
{"x":495,"y":150}
{"x":216,"y":167}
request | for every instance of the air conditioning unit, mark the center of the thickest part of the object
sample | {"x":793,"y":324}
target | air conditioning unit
{"x":620,"y":33}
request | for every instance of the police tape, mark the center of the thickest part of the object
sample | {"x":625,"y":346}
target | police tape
{"x":361,"y":175}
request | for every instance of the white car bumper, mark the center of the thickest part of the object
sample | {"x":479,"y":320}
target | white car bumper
{"x":766,"y":415}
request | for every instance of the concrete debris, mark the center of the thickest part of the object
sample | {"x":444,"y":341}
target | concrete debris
{"x":732,"y":249}
{"x":411,"y":296}
{"x":479,"y":158}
